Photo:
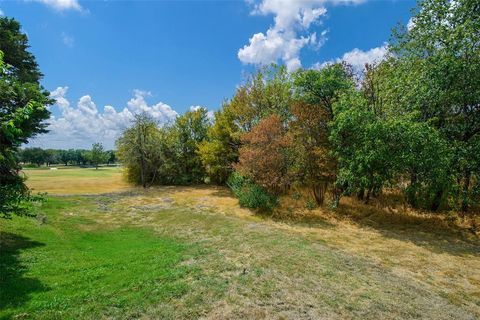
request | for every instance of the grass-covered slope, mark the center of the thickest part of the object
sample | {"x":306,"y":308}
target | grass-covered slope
{"x":191,"y":252}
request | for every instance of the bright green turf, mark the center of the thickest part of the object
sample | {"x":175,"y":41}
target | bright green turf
{"x":61,"y":270}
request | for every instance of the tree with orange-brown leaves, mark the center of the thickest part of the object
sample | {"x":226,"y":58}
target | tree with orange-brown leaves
{"x":264,"y":155}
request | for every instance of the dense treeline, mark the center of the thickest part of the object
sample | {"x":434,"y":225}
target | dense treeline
{"x":79,"y":157}
{"x":410,"y":122}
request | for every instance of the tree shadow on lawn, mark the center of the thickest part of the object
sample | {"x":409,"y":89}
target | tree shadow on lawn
{"x":222,"y":191}
{"x":427,"y":230}
{"x":293,"y":218}
{"x":15,"y":288}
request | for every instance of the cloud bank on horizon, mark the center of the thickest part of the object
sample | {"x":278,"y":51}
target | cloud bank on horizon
{"x":81,"y":125}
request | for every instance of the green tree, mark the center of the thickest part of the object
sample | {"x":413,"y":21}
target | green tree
{"x":361,"y":148}
{"x":315,"y":92}
{"x":97,"y":155}
{"x":190,"y":130}
{"x":374,"y":149}
{"x":67,"y":156}
{"x":22,"y":112}
{"x":52,"y":156}
{"x":111,"y":157}
{"x":434,"y":75}
{"x":138,"y":149}
{"x":219,"y":151}
{"x":36,"y":156}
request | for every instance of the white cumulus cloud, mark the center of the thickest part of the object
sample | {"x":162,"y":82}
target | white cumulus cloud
{"x":161,"y":112}
{"x":358,"y":58}
{"x":210,"y":113}
{"x":81,"y":125}
{"x":62,"y":5}
{"x":410,"y":24}
{"x":290,"y":32}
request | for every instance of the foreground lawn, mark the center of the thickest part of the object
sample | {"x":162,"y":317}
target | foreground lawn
{"x":192,"y":253}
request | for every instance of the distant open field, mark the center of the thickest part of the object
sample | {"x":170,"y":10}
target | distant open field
{"x":75,"y":180}
{"x":191,"y":252}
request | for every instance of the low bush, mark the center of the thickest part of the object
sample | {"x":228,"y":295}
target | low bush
{"x":249,"y":194}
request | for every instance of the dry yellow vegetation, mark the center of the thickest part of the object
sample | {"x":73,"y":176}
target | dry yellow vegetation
{"x":357,"y":261}
{"x":74,"y":180}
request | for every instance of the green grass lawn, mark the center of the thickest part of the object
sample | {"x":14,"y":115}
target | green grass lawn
{"x":63,"y":270}
{"x":189,"y":253}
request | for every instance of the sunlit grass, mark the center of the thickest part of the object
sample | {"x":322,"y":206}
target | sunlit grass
{"x":191,"y":252}
{"x":75,"y":180}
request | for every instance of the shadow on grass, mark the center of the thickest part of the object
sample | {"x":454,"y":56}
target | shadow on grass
{"x":431,"y":231}
{"x":427,"y":230}
{"x":222,"y":191}
{"x":303,"y":220}
{"x":15,"y":288}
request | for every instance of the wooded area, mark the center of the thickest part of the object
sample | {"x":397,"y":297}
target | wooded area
{"x":410,"y":123}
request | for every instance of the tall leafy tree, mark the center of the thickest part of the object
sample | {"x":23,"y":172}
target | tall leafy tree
{"x":435,"y":76}
{"x":190,"y":130}
{"x":264,"y":155}
{"x":22,"y":112}
{"x":137,"y":149}
{"x":219,"y":151}
{"x":36,"y":156}
{"x":97,"y":155}
{"x":315,"y":92}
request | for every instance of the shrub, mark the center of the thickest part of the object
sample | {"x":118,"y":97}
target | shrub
{"x":249,"y":194}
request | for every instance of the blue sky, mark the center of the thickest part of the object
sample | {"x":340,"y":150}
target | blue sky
{"x":166,"y":57}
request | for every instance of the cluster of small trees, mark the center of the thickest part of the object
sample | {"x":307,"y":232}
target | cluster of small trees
{"x":164,"y":155}
{"x":79,"y":157}
{"x":410,"y":122}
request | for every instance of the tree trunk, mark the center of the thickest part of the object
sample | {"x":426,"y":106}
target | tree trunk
{"x":367,"y":197}
{"x":412,"y":191}
{"x":361,"y":194}
{"x":336,"y":194}
{"x":319,"y":190}
{"x":436,"y":202}
{"x":142,"y":172}
{"x":466,"y":187}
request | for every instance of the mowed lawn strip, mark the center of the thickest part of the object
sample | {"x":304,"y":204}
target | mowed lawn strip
{"x":75,"y":180}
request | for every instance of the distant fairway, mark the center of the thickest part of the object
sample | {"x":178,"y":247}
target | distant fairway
{"x":75,"y":180}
